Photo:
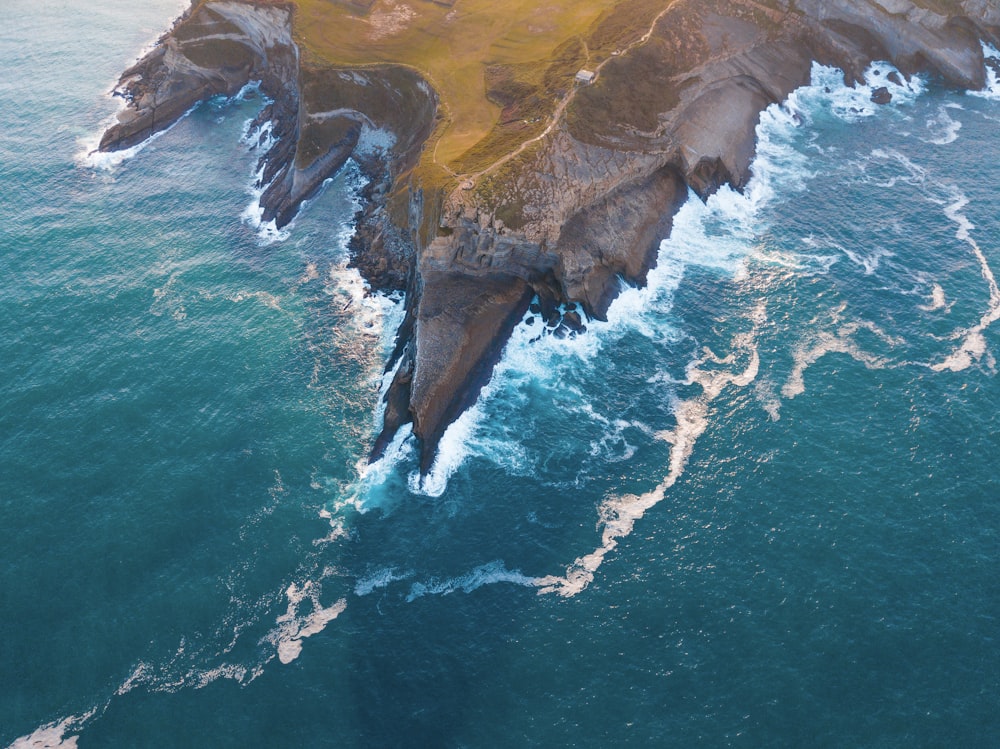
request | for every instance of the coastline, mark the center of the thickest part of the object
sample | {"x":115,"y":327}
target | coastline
{"x":565,"y":220}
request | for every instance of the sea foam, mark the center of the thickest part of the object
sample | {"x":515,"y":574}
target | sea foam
{"x":972,"y":344}
{"x":54,"y":735}
{"x":293,"y":627}
{"x":992,"y":88}
{"x":724,"y":232}
{"x":721,"y":233}
{"x":486,"y":574}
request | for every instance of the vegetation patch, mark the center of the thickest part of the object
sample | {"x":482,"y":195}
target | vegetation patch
{"x":454,"y":47}
{"x":218,"y":53}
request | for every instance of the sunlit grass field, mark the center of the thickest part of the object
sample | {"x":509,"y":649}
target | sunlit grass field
{"x":483,"y":57}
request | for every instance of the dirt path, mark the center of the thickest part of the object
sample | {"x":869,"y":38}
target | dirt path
{"x":469,"y":181}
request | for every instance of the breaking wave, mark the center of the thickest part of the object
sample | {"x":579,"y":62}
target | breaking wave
{"x":781,"y":166}
{"x":992,"y":88}
{"x":54,"y":735}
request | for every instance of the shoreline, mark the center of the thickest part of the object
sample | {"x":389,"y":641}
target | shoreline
{"x":564,"y":218}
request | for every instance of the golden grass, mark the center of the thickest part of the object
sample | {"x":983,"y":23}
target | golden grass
{"x":453,"y":47}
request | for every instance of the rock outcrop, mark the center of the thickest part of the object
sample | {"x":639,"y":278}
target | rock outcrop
{"x":214,"y":50}
{"x":571,"y":215}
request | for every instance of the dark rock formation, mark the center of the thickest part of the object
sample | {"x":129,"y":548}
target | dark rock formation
{"x":317,"y":118}
{"x":571,"y":217}
{"x":881,"y":95}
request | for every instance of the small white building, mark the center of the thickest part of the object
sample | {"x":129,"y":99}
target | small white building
{"x":586,"y":76}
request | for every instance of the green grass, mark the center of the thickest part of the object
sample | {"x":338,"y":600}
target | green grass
{"x":499,"y":67}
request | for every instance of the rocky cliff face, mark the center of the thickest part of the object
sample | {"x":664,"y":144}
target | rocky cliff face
{"x":568,"y":216}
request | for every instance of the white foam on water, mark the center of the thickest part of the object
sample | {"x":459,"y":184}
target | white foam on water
{"x":262,"y":138}
{"x":361,"y":495}
{"x":943,"y":128}
{"x":369,"y":336}
{"x":613,"y":447}
{"x":141,"y":674}
{"x":293,"y":627}
{"x":937,"y":301}
{"x":379,"y":579}
{"x":53,"y":735}
{"x":173,"y":675}
{"x":732,"y":222}
{"x":265,"y":298}
{"x":338,"y":526}
{"x":838,"y":341}
{"x":992,"y":88}
{"x":375,"y":321}
{"x":486,"y":574}
{"x":854,"y":103}
{"x":972,"y":347}
{"x":807,"y":263}
{"x":869,"y":261}
{"x":199,"y":679}
{"x":369,"y":315}
{"x":618,"y":515}
{"x":528,"y":355}
{"x":90,"y":157}
{"x":454,"y":447}
{"x":253,"y":215}
{"x":50,"y":736}
{"x":769,"y":401}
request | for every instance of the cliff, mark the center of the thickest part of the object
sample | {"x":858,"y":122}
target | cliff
{"x":573,"y":206}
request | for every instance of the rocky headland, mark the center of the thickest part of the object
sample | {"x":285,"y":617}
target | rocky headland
{"x":561,"y":207}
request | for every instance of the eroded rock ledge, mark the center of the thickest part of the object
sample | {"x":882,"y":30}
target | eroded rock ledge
{"x":567,"y":219}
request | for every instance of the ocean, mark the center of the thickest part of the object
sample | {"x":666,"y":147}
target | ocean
{"x":757,"y":507}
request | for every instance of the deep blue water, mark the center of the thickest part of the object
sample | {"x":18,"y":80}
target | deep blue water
{"x":759,"y":507}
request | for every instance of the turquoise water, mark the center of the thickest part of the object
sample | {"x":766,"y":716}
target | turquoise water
{"x":758,"y":507}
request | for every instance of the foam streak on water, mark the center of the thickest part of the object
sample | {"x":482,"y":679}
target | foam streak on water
{"x":487,"y":574}
{"x":618,"y":515}
{"x":839,"y":340}
{"x":972,"y":347}
{"x":53,"y":735}
{"x":780,"y":167}
{"x":293,"y":627}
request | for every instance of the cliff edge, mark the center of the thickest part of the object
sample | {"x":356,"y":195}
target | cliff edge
{"x":578,"y":198}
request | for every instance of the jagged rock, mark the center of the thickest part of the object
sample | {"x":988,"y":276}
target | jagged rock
{"x":574,"y":322}
{"x":881,"y":95}
{"x":582,"y":210}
